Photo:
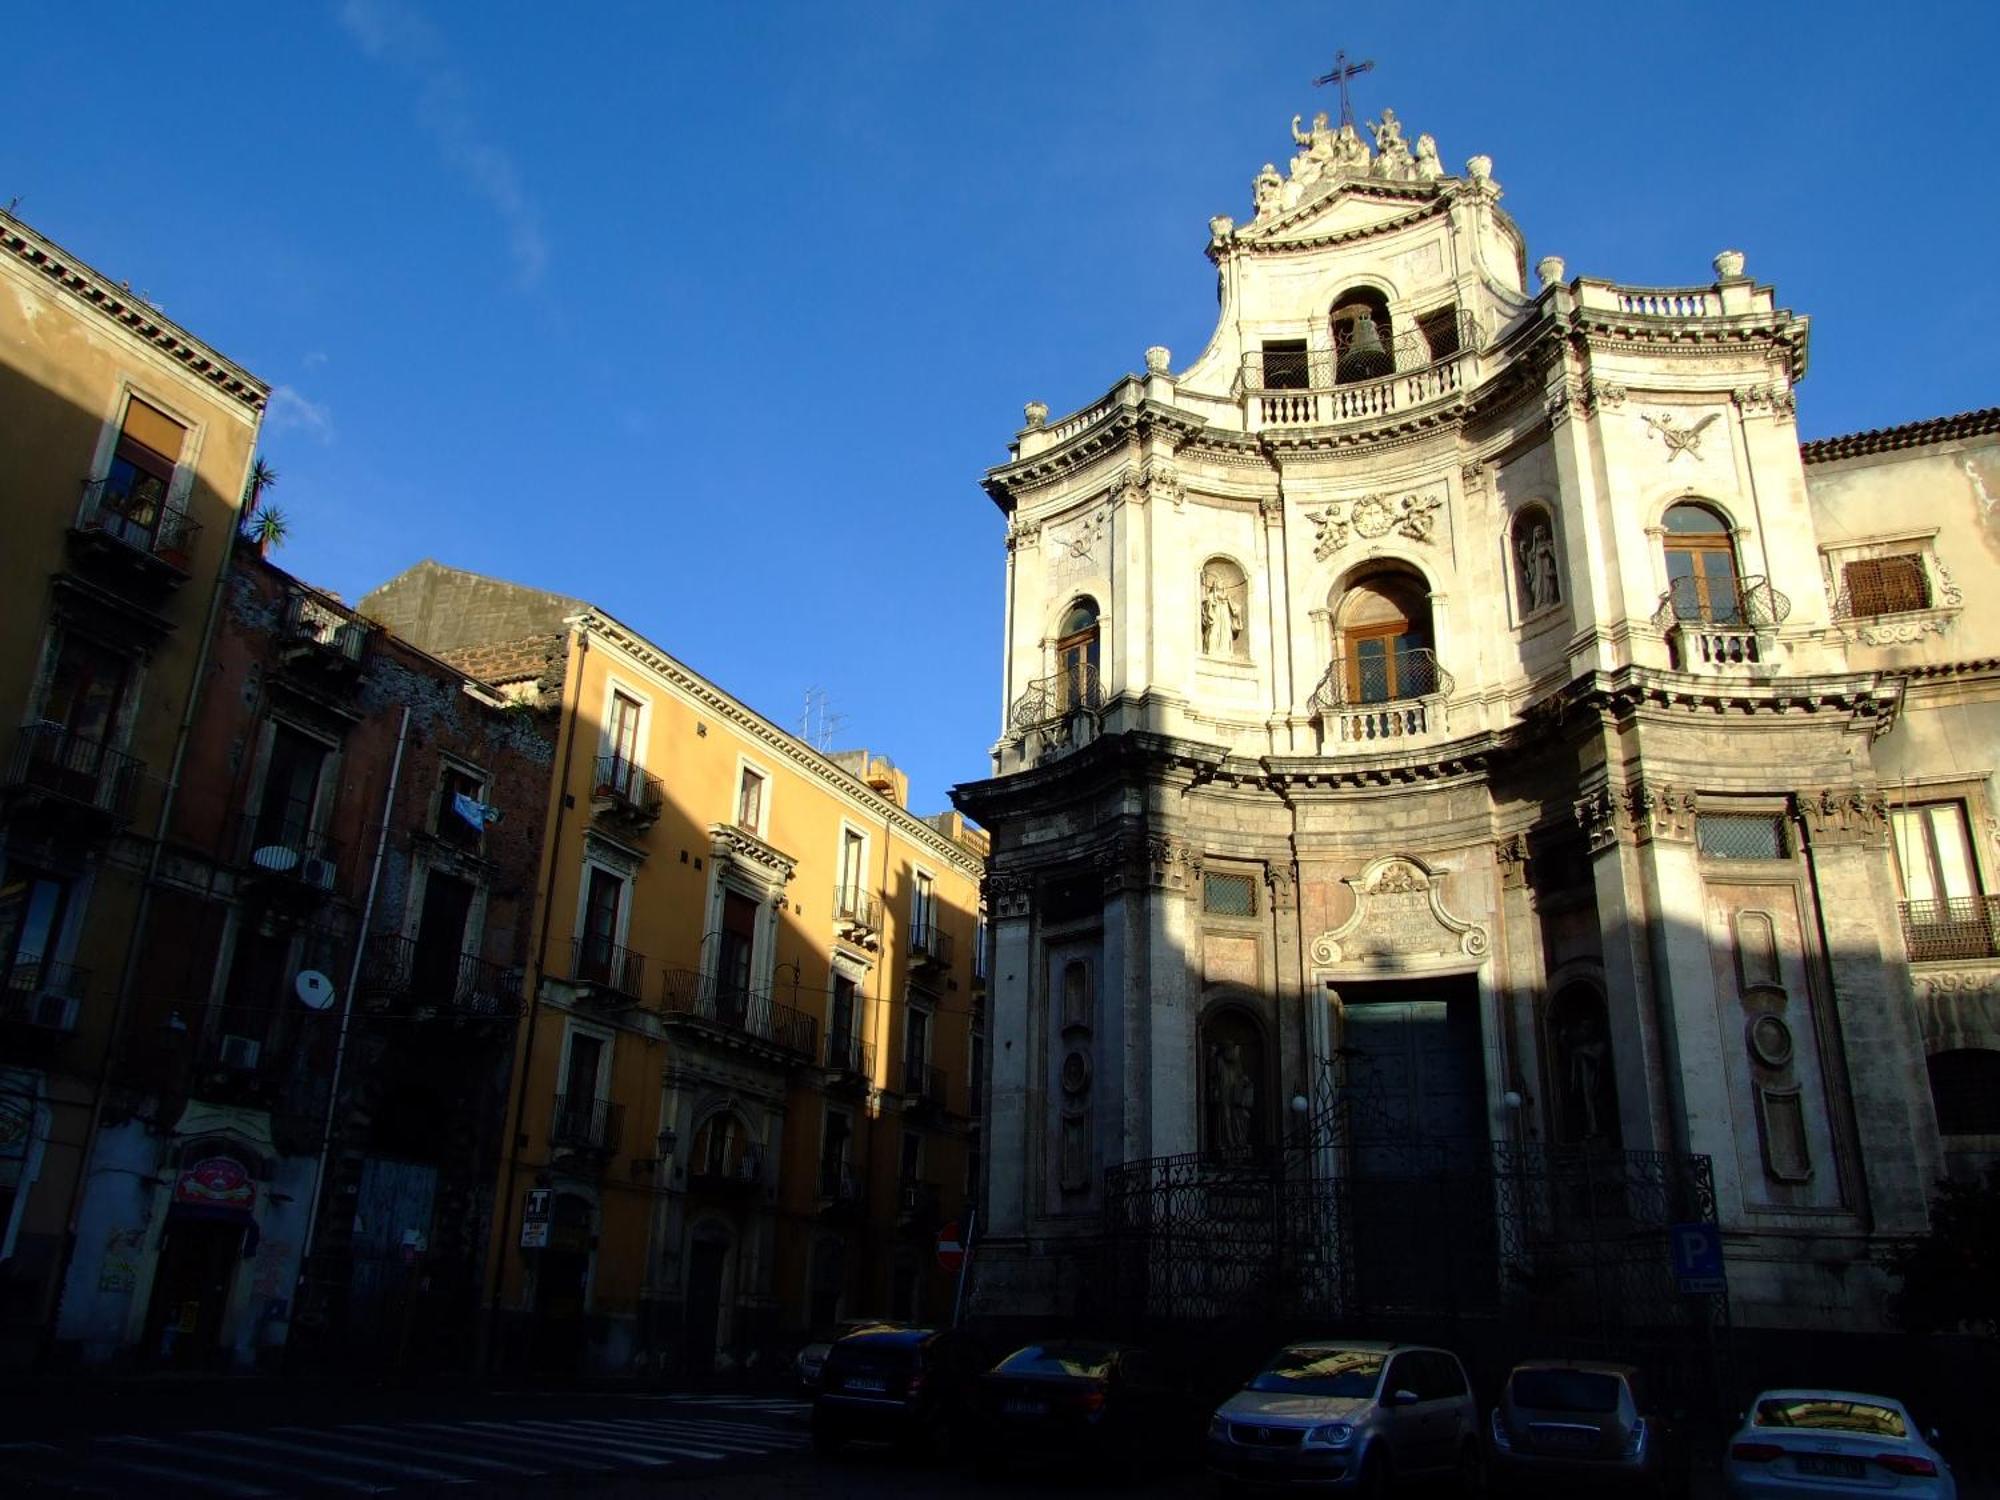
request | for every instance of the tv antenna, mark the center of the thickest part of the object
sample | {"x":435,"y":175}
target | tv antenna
{"x":819,"y":724}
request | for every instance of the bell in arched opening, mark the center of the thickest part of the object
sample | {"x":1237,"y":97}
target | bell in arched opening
{"x":1362,"y":352}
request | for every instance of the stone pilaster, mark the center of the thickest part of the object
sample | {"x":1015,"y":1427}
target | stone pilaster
{"x":1015,"y":1103}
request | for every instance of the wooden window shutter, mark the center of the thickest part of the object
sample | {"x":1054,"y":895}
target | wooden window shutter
{"x":153,"y":430}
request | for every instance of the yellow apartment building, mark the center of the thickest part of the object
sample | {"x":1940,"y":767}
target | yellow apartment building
{"x":127,"y":446}
{"x":746,"y":1088}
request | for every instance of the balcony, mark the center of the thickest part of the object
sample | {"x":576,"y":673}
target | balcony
{"x":1716,"y":627}
{"x":1299,"y":390}
{"x":726,"y":1013}
{"x":923,"y":1088}
{"x":606,"y":974}
{"x":40,"y":999}
{"x":624,"y":793}
{"x":919,"y":1205}
{"x":135,"y":541}
{"x":53,"y":764}
{"x":930,"y":946}
{"x":857,"y":916}
{"x":322,"y":637}
{"x":712,"y":1180}
{"x":850,"y":1062}
{"x":1051,"y":700}
{"x":839,"y":1188}
{"x":1365,"y":708}
{"x":1965,"y":927}
{"x":586,"y":1127}
{"x":281,"y":853}
{"x":398,"y":972}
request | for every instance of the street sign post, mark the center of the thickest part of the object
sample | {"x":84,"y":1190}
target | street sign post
{"x":955,"y":1254}
{"x":1696,"y":1251}
{"x":535,"y":1220}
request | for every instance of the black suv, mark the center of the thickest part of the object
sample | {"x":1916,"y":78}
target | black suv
{"x":914,"y":1386}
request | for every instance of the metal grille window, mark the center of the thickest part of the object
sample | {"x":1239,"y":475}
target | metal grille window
{"x":1741,"y":836}
{"x":1228,"y":895}
{"x":1885,"y":585}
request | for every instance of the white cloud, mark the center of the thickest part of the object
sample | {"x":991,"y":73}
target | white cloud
{"x":288,"y":411}
{"x":392,"y":33}
{"x":313,"y":359}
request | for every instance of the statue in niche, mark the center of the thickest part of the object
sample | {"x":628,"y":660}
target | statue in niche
{"x":1536,"y":552}
{"x":1583,"y":1072}
{"x":1073,"y":1170}
{"x":1232,"y":1097}
{"x":1221,"y":615}
{"x":1429,"y":168}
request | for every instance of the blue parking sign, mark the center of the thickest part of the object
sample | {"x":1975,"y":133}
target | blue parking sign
{"x":1696,"y":1251}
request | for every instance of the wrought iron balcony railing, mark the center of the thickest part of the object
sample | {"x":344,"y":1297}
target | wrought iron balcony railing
{"x":319,"y":630}
{"x":923,"y":1084}
{"x":930,"y":944}
{"x":581,"y":1123}
{"x":849,"y":1058}
{"x":395,"y":967}
{"x":617,"y":974}
{"x":856,"y":910}
{"x":41,"y":993}
{"x":1749,"y":602}
{"x":688,"y":994}
{"x":1048,"y":699}
{"x":1361,"y":684}
{"x":1966,"y":927}
{"x":839,"y":1183}
{"x":1267,"y":370}
{"x":278,"y":844}
{"x":627,"y":791}
{"x":145,"y":524}
{"x":53,"y":760}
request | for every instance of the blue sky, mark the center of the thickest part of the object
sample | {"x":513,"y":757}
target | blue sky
{"x":715,"y":315}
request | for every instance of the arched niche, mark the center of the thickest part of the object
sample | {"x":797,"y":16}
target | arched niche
{"x":1582,"y":1081}
{"x":1235,"y":1081}
{"x":1225,"y":610}
{"x":1383,"y":637}
{"x":1537,"y":561}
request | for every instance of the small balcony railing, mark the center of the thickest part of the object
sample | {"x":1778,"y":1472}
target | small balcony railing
{"x":278,"y":846}
{"x":924,"y":1085}
{"x":54,"y":761}
{"x":718,"y":1180}
{"x":159,"y":530}
{"x":1965,"y":927}
{"x":591,"y":1126}
{"x":1719,"y":625}
{"x":626,"y":791}
{"x":856,"y":913}
{"x":688,"y":994}
{"x":42,"y":994}
{"x":614,"y":973}
{"x":930,"y":945}
{"x":839,"y":1184}
{"x":849,"y":1059}
{"x":1365,"y":703}
{"x":395,"y":967}
{"x":1049,"y":699}
{"x":318,"y":630}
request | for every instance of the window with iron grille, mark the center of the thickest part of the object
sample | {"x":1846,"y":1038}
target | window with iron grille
{"x":1885,"y":585}
{"x":1285,"y":366}
{"x":1228,"y":895}
{"x":1741,"y":836}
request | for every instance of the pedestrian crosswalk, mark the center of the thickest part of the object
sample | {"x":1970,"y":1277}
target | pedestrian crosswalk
{"x":412,"y":1454}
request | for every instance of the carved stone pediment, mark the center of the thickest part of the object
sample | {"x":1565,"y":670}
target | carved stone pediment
{"x":1399,"y":924}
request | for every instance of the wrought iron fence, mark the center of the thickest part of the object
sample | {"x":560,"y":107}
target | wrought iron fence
{"x":1047,"y":699}
{"x":695,"y":995}
{"x":461,"y":984}
{"x":1962,"y":927}
{"x":52,"y":758}
{"x":1745,"y":602}
{"x":1376,"y":680}
{"x":284,"y":842}
{"x":581,"y":1123}
{"x":602,"y":964}
{"x":930,"y":943}
{"x":324,"y":627}
{"x":924,"y":1084}
{"x":854,"y":907}
{"x":42,"y":993}
{"x":849,"y":1057}
{"x":627,"y":789}
{"x":146,"y":523}
{"x":1882,"y":586}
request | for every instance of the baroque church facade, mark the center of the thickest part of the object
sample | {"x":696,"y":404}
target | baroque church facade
{"x":1456,"y":717}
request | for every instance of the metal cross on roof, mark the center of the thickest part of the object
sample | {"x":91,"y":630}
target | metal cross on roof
{"x":1342,"y":71}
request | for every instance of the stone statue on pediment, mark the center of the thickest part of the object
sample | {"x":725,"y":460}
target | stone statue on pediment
{"x":1350,"y":152}
{"x":1392,"y":155}
{"x":1268,"y":190}
{"x":1429,"y":168}
{"x":1318,"y":156}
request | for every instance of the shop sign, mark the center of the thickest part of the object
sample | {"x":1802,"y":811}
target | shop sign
{"x":216,"y":1182}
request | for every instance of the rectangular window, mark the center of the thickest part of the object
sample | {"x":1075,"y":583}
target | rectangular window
{"x":461,"y":808}
{"x":287,"y":813}
{"x":979,"y":950}
{"x":1285,"y":365}
{"x":840,"y":1022}
{"x":622,"y":742}
{"x":923,"y":907}
{"x":916,"y":1049}
{"x":738,"y":942}
{"x":1885,"y":585}
{"x":910,"y":1167}
{"x":31,"y":920}
{"x":134,"y":494}
{"x":1225,"y":895}
{"x":1741,"y":836}
{"x":750,"y":802}
{"x":86,"y":689}
{"x":604,"y":894}
{"x":1440,"y":330}
{"x":833,"y":1151}
{"x":586,"y":1058}
{"x":975,"y":1080}
{"x":440,"y":946}
{"x":1934,"y":852}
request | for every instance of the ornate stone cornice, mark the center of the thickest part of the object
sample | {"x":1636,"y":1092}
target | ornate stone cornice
{"x":1842,"y":814}
{"x":1597,"y":814}
{"x":1260,"y":239}
{"x":132,"y":314}
{"x":1008,"y":896}
{"x":1137,"y":862}
{"x":771,"y":864}
{"x":1775,"y":399}
{"x":1659,"y":810}
{"x":709,"y":696}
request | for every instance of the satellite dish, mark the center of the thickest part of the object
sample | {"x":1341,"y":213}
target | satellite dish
{"x":314,"y":988}
{"x":278,"y":857}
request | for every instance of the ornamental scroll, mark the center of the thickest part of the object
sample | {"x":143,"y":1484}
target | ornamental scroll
{"x":1399,"y":923}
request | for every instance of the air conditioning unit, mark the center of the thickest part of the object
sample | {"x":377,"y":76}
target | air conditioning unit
{"x":240,"y":1052}
{"x":52,"y":1011}
{"x":317,"y":872}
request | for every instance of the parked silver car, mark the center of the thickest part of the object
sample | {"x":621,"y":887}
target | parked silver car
{"x":1351,"y":1417}
{"x":1810,"y":1443}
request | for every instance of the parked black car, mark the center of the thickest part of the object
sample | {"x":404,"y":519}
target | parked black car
{"x":913,"y":1386}
{"x":1109,"y":1404}
{"x":1584,"y":1427}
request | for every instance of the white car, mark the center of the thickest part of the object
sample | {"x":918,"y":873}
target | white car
{"x":1805,"y":1444}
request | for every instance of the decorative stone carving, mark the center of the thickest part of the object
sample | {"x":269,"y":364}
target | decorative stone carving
{"x":1474,"y":475}
{"x":1660,"y":811}
{"x":1479,"y":172}
{"x":1284,"y":886}
{"x":1557,"y":400}
{"x":1729,"y":264}
{"x":1318,"y":154}
{"x":1511,"y":853}
{"x":1078,"y":1016}
{"x":1842,"y":815}
{"x":1776,"y":399}
{"x":1372,"y":516}
{"x":1549,"y":269}
{"x":1583,"y":1081}
{"x":1022,"y":533}
{"x":1399,"y":923}
{"x":1223,"y":598}
{"x":1903,"y":632}
{"x":1220,"y":228}
{"x":1268,"y":191}
{"x":1680,"y":439}
{"x":1392,"y":155}
{"x":1597,"y":815}
{"x":1037,"y":413}
{"x":1158,"y":357}
{"x":1232,"y":1097}
{"x":1958,"y":984}
{"x":1074,"y":546}
{"x":1781,"y":1121}
{"x":1163,"y":482}
{"x":1008,"y":897}
{"x":1769,"y":1040}
{"x":1429,"y":168}
{"x":1598,"y":393}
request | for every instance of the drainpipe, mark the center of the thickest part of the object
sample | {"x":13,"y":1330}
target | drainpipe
{"x":126,"y":970}
{"x":504,"y":1209}
{"x":347,"y":998}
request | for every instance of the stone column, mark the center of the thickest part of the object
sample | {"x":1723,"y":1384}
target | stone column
{"x":1888,"y":1084}
{"x":1299,"y":1055}
{"x":1523,"y":975}
{"x":1014,"y":1102}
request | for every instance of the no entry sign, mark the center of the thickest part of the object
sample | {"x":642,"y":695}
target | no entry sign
{"x":950,"y":1248}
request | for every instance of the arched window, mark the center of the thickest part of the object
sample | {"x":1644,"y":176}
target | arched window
{"x":1965,"y":1090}
{"x":1224,"y":610}
{"x":1385,"y":640}
{"x":1363,"y":338}
{"x":1701,"y":566}
{"x":722,"y":1149}
{"x":1076,"y":655}
{"x":1537,"y":568}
